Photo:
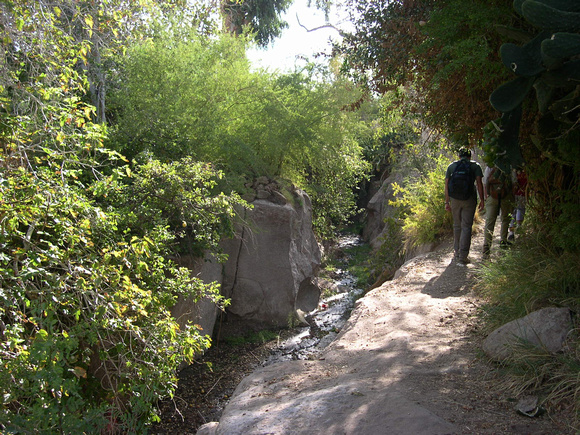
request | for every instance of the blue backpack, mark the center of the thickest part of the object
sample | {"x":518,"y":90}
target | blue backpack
{"x":461,"y":181}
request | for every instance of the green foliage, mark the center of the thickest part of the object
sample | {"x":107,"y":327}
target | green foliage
{"x":421,"y":204}
{"x":535,"y":274}
{"x":261,"y":17}
{"x":395,"y":127}
{"x":444,"y":50}
{"x":546,"y":63}
{"x":87,"y":341}
{"x":181,"y":97}
{"x":358,"y":264}
{"x":180,"y":196}
{"x":247,"y":123}
{"x":333,"y":187}
{"x":463,"y":32}
{"x":258,"y":337}
{"x":391,"y":253}
{"x":490,"y":144}
{"x":87,"y":334}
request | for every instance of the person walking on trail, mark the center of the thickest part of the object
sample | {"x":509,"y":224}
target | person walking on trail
{"x":461,"y":200}
{"x":499,"y":199}
{"x":520,"y":181}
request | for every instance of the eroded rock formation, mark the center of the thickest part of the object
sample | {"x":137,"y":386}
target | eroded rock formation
{"x":271,"y":267}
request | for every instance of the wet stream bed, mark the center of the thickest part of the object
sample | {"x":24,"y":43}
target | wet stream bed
{"x":204,"y":388}
{"x":328,"y":319}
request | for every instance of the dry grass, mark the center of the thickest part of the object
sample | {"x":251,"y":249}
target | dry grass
{"x":529,"y":277}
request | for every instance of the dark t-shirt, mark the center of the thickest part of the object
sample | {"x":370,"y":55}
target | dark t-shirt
{"x":475,"y":169}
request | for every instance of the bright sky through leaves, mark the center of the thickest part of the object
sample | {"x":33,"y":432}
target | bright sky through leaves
{"x":296,"y":42}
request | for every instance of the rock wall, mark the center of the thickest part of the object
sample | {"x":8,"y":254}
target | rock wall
{"x":378,"y":209}
{"x":271,"y":267}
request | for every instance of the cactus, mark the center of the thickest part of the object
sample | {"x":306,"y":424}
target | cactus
{"x":561,"y":45}
{"x":511,"y":94}
{"x":515,"y":58}
{"x":549,"y":18}
{"x":544,"y":95}
{"x":563,"y":109}
{"x":563,"y":5}
{"x":509,"y":154}
{"x":549,"y":64}
{"x":568,"y":75}
{"x":524,"y":61}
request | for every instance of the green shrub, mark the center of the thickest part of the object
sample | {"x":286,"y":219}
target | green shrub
{"x":531,"y":275}
{"x":421,"y":204}
{"x":197,"y":96}
{"x":87,"y":338}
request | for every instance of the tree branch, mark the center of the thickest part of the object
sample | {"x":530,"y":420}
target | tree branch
{"x":325,"y":26}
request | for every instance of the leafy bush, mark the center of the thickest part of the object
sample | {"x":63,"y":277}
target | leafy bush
{"x":181,"y":196}
{"x":421,"y":204}
{"x":198,"y":97}
{"x":87,"y":337}
{"x":533,"y":274}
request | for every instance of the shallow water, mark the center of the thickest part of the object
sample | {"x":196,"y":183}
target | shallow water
{"x":327,"y":320}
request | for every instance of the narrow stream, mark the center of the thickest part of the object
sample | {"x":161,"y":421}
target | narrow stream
{"x":328,"y":319}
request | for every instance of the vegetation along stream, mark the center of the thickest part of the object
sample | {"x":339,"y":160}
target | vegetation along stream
{"x":206,"y":386}
{"x":132,"y":133}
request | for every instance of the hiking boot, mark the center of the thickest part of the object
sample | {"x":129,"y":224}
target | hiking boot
{"x":511,"y":237}
{"x":464,"y":261}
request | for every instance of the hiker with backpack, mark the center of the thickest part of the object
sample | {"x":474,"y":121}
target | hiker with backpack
{"x":499,"y":199}
{"x":461,"y":200}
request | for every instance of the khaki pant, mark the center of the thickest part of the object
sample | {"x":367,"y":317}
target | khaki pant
{"x":463,"y":213}
{"x":493,"y":207}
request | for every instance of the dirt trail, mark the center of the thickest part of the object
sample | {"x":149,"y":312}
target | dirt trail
{"x":406,"y":363}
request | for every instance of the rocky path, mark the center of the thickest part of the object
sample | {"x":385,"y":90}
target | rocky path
{"x":407,"y":362}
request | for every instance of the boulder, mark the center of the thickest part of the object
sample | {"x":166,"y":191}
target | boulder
{"x":272,"y":264}
{"x":210,"y":428}
{"x":547,"y":329}
{"x":204,"y":311}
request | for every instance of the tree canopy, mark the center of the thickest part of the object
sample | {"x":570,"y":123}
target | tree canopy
{"x":198,"y":96}
{"x":451,"y":56}
{"x":126,"y":137}
{"x":262,"y":17}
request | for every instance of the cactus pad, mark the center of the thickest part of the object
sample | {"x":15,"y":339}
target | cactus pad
{"x":562,"y":45}
{"x":549,"y":18}
{"x":511,"y":94}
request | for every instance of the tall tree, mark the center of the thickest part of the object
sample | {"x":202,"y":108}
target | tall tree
{"x":259,"y":16}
